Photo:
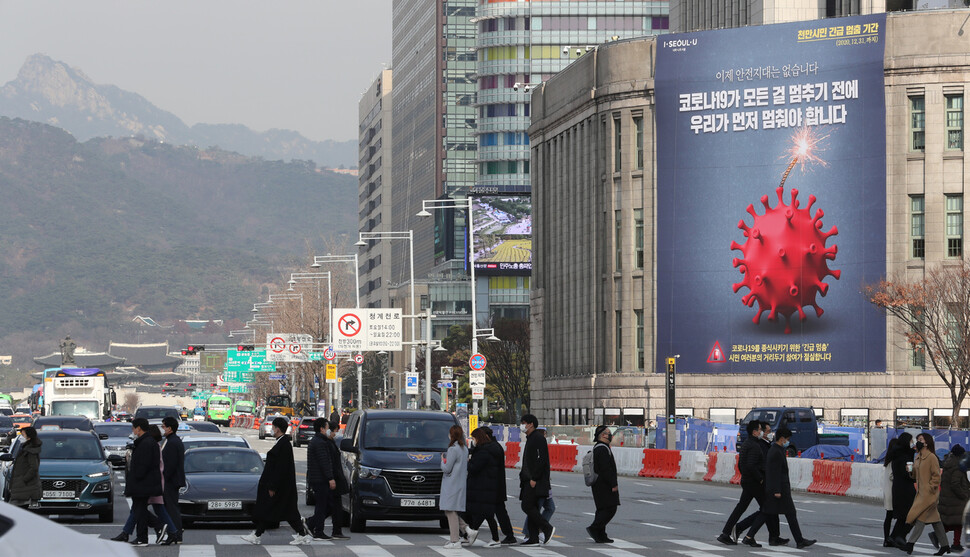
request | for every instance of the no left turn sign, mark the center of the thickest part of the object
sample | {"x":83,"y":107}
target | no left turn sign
{"x":359,"y":359}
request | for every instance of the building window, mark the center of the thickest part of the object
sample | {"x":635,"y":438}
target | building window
{"x":917,"y":225}
{"x":617,"y":145}
{"x":917,"y":111}
{"x":424,"y":302}
{"x":638,"y":125}
{"x":954,"y":226}
{"x":954,"y":122}
{"x":640,"y":358}
{"x":638,"y":236}
{"x":618,"y":242}
{"x":619,"y":340}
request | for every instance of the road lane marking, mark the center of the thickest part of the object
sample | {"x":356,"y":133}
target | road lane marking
{"x":623,"y":544}
{"x":644,"y":485}
{"x":197,"y":551}
{"x":532,"y":551}
{"x":708,"y":512}
{"x":686,"y":491}
{"x":388,"y":539}
{"x":614,"y":552}
{"x":872,"y":519}
{"x":648,"y":502}
{"x":557,"y":485}
{"x":851,"y":549}
{"x":658,"y":526}
{"x":369,"y":551}
{"x":284,"y":551}
{"x":697,"y":545}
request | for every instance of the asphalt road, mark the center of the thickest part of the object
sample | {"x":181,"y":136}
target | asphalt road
{"x":656,"y":517}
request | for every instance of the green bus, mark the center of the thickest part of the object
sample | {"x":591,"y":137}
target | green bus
{"x":219,"y":409}
{"x":243,"y":407}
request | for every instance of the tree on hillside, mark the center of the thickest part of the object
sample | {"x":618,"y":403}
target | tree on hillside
{"x":934,"y":314}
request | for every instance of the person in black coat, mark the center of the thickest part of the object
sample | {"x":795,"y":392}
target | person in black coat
{"x":751,"y":464}
{"x":173,"y":457}
{"x":341,"y":486}
{"x":480,"y":491}
{"x":778,"y":498}
{"x":903,"y":487}
{"x":606,"y":491}
{"x":319,"y":477}
{"x":495,"y":449}
{"x":534,"y":480}
{"x":276,"y":494}
{"x":144,"y":478}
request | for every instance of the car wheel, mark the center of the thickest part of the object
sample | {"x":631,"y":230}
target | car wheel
{"x":296,"y":444}
{"x":107,"y":517}
{"x":357,"y":522}
{"x":261,"y":436}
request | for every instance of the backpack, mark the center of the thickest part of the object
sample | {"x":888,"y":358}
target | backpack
{"x":589,"y":475}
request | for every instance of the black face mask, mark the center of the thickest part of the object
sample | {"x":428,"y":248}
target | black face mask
{"x":919,"y":445}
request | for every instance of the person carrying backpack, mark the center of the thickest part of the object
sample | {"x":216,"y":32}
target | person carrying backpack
{"x":602,"y":479}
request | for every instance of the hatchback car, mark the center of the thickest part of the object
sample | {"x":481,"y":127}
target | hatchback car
{"x":392,"y":461}
{"x":8,"y":430}
{"x":200,"y":440}
{"x":115,"y":438}
{"x":74,"y":474}
{"x":266,"y":426}
{"x":155,"y":414}
{"x":220,"y":484}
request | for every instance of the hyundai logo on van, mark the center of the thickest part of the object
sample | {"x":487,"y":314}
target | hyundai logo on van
{"x":421,"y":457}
{"x":417,"y":479}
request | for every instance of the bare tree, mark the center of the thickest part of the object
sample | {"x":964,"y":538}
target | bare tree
{"x":131,"y":401}
{"x":508,"y":364}
{"x":934,"y":312}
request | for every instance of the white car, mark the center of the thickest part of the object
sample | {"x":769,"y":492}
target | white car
{"x":33,"y":534}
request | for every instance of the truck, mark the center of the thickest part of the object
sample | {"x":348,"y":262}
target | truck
{"x":78,"y":392}
{"x":804,"y":426}
{"x":278,"y":404}
{"x":219,"y":409}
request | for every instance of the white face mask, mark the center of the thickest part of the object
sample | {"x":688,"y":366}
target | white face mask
{"x":522,"y":428}
{"x":756,"y":434}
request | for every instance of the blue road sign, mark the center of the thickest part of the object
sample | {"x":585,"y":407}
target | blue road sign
{"x":277,"y":376}
{"x":412,"y":382}
{"x":445,"y":384}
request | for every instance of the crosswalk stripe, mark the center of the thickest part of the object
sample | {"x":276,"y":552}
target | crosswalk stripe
{"x":695,"y":553}
{"x":623,"y":544}
{"x":851,"y":549}
{"x":614,"y":552}
{"x":443,"y":551}
{"x":775,"y":551}
{"x":197,"y":551}
{"x":661,"y":526}
{"x":369,"y":551}
{"x":388,"y":539}
{"x":285,"y":551}
{"x":537,"y":551}
{"x":698,"y":545}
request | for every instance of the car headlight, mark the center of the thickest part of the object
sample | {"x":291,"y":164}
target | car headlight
{"x":99,"y":474}
{"x":103,"y":487}
{"x":367,"y":472}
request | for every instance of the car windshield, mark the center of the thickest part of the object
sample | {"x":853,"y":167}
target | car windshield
{"x":113,"y":430}
{"x":206,"y":427}
{"x":156,"y":413}
{"x":6,"y":411}
{"x":244,"y":407}
{"x":69,"y":448}
{"x":86,"y":408}
{"x":222,"y":462}
{"x":407,"y":434}
{"x":63,"y":423}
{"x":191,"y":443}
{"x":761,"y":415}
{"x":6,"y":422}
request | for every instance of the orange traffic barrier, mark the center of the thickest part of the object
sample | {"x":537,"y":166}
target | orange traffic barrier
{"x":660,"y":463}
{"x":736,"y":478}
{"x":711,"y":466}
{"x":845,"y":477}
{"x":511,"y":454}
{"x":818,"y":477}
{"x":565,"y":457}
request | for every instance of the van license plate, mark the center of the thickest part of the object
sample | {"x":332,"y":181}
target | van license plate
{"x":225,"y":505}
{"x":417,"y":502}
{"x":58,"y":495}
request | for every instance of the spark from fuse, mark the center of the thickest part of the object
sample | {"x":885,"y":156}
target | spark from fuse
{"x":805,"y":146}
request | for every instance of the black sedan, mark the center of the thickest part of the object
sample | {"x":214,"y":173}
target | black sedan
{"x":7,"y":432}
{"x":220,"y":484}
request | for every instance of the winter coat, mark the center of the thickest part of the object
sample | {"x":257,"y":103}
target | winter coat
{"x":955,"y":492}
{"x":319,"y":466}
{"x":158,"y":499}
{"x":144,"y":477}
{"x":887,"y":487}
{"x":25,"y":479}
{"x":279,"y":476}
{"x":605,"y":467}
{"x":535,"y":465}
{"x":926,"y":472}
{"x":776,"y":481}
{"x":904,"y":492}
{"x":495,"y":449}
{"x":454,"y":481}
{"x":173,"y":455}
{"x":333,"y":453}
{"x":482,"y":478}
{"x":751,"y":463}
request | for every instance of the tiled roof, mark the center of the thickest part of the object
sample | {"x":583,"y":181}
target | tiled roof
{"x":82,"y":359}
{"x":144,"y":356}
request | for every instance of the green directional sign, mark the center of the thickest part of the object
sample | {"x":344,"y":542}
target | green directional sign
{"x":249,"y":360}
{"x":239,"y":388}
{"x":240,"y":376}
{"x":201,"y":395}
{"x":316,"y":356}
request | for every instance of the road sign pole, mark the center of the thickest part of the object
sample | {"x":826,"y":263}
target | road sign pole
{"x":671,"y":403}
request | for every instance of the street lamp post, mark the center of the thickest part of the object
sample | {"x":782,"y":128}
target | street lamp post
{"x":409,"y":236}
{"x":320,"y":259}
{"x":317,"y":278}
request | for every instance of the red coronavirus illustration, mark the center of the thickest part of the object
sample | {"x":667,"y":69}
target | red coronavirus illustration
{"x":785,"y":258}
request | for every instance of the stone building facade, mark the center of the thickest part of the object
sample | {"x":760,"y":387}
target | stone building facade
{"x":577,"y":288}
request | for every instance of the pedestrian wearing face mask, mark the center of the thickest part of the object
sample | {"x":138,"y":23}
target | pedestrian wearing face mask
{"x":926,"y":471}
{"x":606,"y":491}
{"x":534,"y":480}
{"x":778,"y":499}
{"x":903,"y":490}
{"x":751,"y":464}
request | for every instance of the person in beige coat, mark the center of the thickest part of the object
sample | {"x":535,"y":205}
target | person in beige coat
{"x":926,"y":472}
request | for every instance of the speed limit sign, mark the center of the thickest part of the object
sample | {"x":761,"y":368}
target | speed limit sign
{"x":359,"y":359}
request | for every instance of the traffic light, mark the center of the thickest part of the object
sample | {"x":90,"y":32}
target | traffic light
{"x":193,"y":349}
{"x":191,"y":385}
{"x":245,"y":348}
{"x":212,"y":384}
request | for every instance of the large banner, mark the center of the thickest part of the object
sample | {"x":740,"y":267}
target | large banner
{"x":771,"y":195}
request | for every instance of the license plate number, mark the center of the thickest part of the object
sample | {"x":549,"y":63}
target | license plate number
{"x":417,"y":502}
{"x":225,"y":505}
{"x":58,"y":495}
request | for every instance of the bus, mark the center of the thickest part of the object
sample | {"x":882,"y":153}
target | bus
{"x":219,"y":409}
{"x":78,"y":392}
{"x":243,"y":407}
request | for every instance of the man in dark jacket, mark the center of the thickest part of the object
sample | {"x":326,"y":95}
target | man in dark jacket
{"x":173,"y":457}
{"x":778,"y":498}
{"x":321,"y":477}
{"x":144,"y":477}
{"x":534,"y":480}
{"x":606,"y":491}
{"x":495,"y":449}
{"x":751,"y":464}
{"x":276,"y":494}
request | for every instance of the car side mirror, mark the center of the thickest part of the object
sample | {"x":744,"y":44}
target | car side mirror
{"x":6,"y":457}
{"x":262,"y":456}
{"x":102,"y":436}
{"x":347,"y":445}
{"x":115,"y":458}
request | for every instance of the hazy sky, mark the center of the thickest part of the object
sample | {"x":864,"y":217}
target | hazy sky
{"x":293,"y":64}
